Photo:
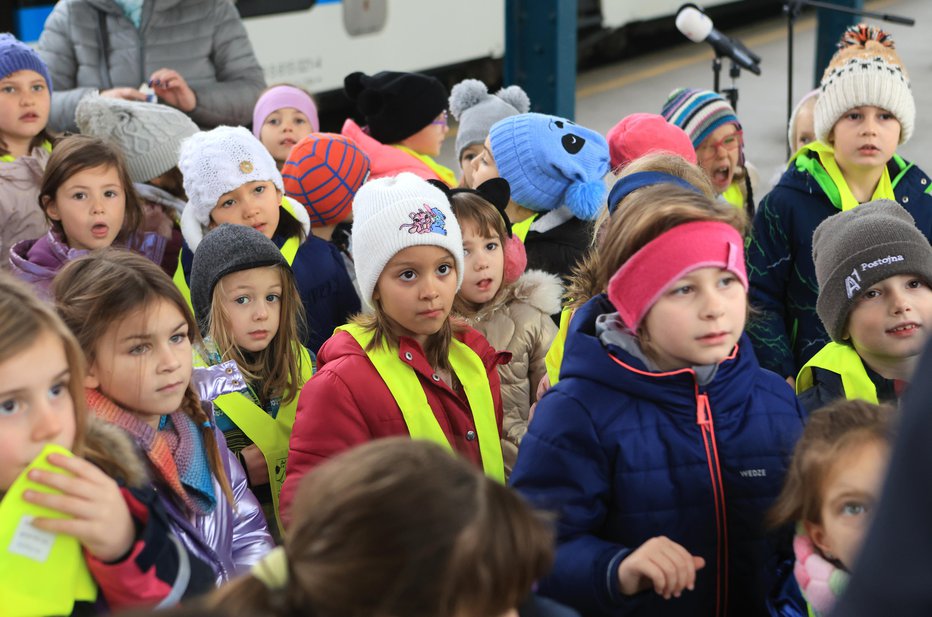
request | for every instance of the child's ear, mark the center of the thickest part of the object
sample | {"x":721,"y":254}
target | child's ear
{"x":816,"y":533}
{"x":51,"y":210}
{"x":90,"y":378}
{"x":280,"y":194}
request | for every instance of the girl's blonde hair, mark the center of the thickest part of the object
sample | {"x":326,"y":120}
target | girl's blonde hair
{"x":278,"y":366}
{"x":25,"y":319}
{"x":95,"y":292}
{"x":76,"y":153}
{"x":401,"y":527}
{"x":472,"y":209}
{"x":829,"y":434}
{"x":642,"y":216}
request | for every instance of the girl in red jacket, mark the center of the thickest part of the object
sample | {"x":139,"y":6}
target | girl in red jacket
{"x":403,"y":368}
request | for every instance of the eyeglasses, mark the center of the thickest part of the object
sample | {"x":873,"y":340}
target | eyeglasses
{"x":441,"y":119}
{"x":732,"y":142}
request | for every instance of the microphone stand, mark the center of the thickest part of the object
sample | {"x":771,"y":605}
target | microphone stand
{"x":792,"y":8}
{"x":734,"y":72}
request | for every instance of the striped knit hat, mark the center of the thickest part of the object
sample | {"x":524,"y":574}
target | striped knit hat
{"x":865,"y":70}
{"x":698,"y":112}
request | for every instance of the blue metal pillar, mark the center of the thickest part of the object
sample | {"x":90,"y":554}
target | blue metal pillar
{"x":831,"y":26}
{"x":540,"y":53}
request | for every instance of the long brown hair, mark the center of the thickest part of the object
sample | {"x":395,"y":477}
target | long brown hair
{"x":472,"y":209}
{"x":830,"y":432}
{"x":401,"y":527}
{"x":76,"y":153}
{"x":95,"y":292}
{"x":278,"y":366}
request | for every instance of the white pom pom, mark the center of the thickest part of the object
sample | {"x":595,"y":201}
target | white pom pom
{"x":516,"y":97}
{"x":466,"y":94}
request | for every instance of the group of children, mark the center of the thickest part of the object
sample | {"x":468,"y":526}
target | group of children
{"x":220,"y":322}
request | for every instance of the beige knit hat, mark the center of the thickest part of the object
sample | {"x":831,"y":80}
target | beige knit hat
{"x":866,"y":70}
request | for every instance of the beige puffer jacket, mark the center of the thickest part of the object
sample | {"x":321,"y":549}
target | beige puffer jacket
{"x":519,"y":321}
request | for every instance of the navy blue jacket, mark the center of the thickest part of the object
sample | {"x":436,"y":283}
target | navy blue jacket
{"x":326,"y":291}
{"x":622,"y":455}
{"x":787,"y":331}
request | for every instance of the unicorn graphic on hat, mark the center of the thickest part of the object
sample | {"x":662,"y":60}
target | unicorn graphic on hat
{"x":426,"y":220}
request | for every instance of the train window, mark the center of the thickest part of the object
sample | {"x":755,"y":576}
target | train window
{"x":255,"y":8}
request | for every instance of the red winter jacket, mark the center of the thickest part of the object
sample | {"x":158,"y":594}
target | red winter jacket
{"x":347,"y":403}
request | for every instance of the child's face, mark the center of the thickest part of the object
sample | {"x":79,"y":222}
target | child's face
{"x":416,"y":289}
{"x":144,"y":362}
{"x":890,"y":321}
{"x":483,"y":166}
{"x":696,"y":321}
{"x":466,"y":159}
{"x":252,"y":301}
{"x":805,"y":125}
{"x":429,"y":140}
{"x":36,"y":407}
{"x":850,"y":493}
{"x":485,"y":265}
{"x":865,"y":138}
{"x":282,"y":129}
{"x":718,"y":156}
{"x":24,"y":106}
{"x":91,"y":206}
{"x":254,"y":204}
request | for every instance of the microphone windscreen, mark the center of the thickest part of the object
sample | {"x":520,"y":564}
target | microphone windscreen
{"x":694,"y":24}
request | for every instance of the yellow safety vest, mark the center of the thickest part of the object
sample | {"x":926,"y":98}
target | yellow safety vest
{"x":271,"y":435}
{"x":826,"y":153}
{"x":444,"y":173}
{"x":844,"y":361}
{"x":554,"y":357}
{"x":40,"y":573}
{"x":403,"y":383}
{"x":521,"y":228}
{"x":733,"y":195}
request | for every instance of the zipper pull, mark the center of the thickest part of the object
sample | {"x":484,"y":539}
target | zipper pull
{"x":702,"y":409}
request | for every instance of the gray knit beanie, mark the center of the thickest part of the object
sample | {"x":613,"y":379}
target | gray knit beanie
{"x":149,"y":134}
{"x":858,"y":248}
{"x":224,"y":250}
{"x":476,"y":110}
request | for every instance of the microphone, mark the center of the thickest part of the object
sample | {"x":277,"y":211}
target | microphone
{"x":697,"y":27}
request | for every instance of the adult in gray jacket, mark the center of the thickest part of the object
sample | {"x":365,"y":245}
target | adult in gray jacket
{"x":195,"y":54}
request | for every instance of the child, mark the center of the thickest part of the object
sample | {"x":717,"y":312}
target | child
{"x":406,"y":123}
{"x":874,"y":270}
{"x":357,"y":545}
{"x":664,"y":442}
{"x":25,"y":99}
{"x":509,"y":306}
{"x":149,"y":135}
{"x":864,"y":110}
{"x":555,"y":168}
{"x":137,"y":333}
{"x":404,"y":368}
{"x":247,"y":305}
{"x":283,"y":116}
{"x":717,"y":136}
{"x":323,"y":173}
{"x":641,"y":134}
{"x":105,"y":503}
{"x":88,"y":198}
{"x":476,"y":111}
{"x":230,"y":178}
{"x":801,"y":129}
{"x":832,"y":486}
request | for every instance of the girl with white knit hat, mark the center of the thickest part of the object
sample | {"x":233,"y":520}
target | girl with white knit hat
{"x":404,"y":367}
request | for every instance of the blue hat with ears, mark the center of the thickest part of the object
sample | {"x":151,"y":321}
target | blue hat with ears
{"x":17,"y":56}
{"x":551,"y":161}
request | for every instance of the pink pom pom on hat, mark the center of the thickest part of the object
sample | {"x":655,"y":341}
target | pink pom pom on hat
{"x":641,"y":280}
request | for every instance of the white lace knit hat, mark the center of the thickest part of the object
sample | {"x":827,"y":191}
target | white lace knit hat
{"x":391,"y":214}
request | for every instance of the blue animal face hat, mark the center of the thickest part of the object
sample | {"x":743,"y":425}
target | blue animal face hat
{"x":551,"y":161}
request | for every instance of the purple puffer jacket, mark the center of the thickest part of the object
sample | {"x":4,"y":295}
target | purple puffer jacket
{"x":38,"y":261}
{"x":233,"y":537}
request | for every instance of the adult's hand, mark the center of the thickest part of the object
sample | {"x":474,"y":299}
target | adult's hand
{"x":172,"y":89}
{"x":127,"y":94}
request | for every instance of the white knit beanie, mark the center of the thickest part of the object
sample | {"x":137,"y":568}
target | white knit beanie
{"x":219,"y":161}
{"x":866,"y":70}
{"x":391,"y":214}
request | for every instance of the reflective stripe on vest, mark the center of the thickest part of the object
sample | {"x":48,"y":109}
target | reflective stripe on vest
{"x":844,"y":361}
{"x":41,"y":573}
{"x":554,"y":357}
{"x":271,"y":435}
{"x":419,"y":417}
{"x":521,"y":228}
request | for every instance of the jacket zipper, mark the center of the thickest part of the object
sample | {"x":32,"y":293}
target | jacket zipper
{"x":704,"y":420}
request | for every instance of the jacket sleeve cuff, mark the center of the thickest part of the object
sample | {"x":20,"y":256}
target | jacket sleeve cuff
{"x":611,"y":576}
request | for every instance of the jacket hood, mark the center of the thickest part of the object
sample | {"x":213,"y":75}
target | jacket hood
{"x":42,"y":258}
{"x":586,"y":358}
{"x":537,"y":288}
{"x":119,"y":446}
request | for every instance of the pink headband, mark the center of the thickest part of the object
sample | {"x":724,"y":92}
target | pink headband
{"x":641,"y":280}
{"x":280,"y":97}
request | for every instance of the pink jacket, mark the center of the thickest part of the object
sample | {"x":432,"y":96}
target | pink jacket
{"x":386,"y":160}
{"x":21,"y":218}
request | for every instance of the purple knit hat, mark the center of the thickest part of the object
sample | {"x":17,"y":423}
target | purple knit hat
{"x":17,"y":56}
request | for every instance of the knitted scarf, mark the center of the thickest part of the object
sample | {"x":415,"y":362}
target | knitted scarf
{"x":820,"y":580}
{"x":175,"y":451}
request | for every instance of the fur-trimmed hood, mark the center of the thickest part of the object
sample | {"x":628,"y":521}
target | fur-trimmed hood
{"x":123,"y":461}
{"x":537,"y":288}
